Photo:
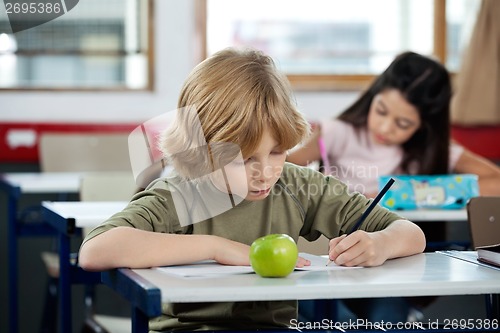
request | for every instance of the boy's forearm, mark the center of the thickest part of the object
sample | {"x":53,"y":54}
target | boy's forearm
{"x":404,"y":238}
{"x":133,"y":248}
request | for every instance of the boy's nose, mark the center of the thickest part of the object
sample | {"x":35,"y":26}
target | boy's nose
{"x":262,"y":172}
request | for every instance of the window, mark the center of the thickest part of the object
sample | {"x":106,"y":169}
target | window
{"x":460,"y":19}
{"x":97,"y":45}
{"x":340,"y":44}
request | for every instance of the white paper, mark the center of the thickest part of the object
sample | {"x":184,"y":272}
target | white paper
{"x":318,"y":263}
{"x":205,"y":268}
{"x":211,"y":268}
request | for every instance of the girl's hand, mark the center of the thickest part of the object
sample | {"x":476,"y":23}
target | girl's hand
{"x":359,"y":249}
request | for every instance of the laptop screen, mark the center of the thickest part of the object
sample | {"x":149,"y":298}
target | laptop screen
{"x":483,"y":214}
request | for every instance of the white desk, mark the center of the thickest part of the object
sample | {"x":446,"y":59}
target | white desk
{"x":44,"y":182}
{"x":66,"y":218}
{"x":16,"y":185}
{"x":419,"y":275}
{"x":82,"y":214}
{"x":429,"y":215}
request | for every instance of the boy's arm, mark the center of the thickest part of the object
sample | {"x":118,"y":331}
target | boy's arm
{"x":401,"y":238}
{"x":135,"y":248}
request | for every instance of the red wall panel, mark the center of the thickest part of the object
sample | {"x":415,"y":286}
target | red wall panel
{"x":482,"y":140}
{"x":19,"y":141}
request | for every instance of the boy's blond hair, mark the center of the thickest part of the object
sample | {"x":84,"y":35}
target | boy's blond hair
{"x":235,"y":94}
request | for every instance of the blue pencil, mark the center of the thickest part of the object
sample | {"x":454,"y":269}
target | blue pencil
{"x":372,"y":205}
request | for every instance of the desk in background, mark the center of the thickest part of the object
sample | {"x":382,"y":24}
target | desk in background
{"x":455,"y":219}
{"x":66,"y":218}
{"x":429,"y":215}
{"x":15,"y":185}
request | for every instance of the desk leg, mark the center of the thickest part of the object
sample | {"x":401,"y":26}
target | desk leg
{"x":493,"y":306}
{"x":65,"y":311}
{"x":13,"y":265}
{"x":140,"y":322}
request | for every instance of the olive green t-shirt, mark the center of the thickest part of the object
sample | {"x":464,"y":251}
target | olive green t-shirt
{"x":303,"y":202}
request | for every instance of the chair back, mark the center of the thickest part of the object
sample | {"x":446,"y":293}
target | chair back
{"x":83,"y":152}
{"x":107,"y":186}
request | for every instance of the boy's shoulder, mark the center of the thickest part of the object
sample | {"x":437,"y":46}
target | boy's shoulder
{"x":305,"y":183}
{"x":295,"y":174}
{"x":293,"y":170}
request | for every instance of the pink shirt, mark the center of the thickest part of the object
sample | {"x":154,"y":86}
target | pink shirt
{"x":358,"y":161}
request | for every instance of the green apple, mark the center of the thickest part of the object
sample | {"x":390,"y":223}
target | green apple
{"x":273,"y":255}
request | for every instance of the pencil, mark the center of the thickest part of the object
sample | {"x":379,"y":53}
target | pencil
{"x":369,"y":209}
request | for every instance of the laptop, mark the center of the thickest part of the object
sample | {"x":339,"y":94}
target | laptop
{"x":483,"y":214}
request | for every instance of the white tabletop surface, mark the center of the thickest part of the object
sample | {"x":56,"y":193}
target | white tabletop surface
{"x":44,"y":182}
{"x":422,"y":215}
{"x":418,"y":275}
{"x":85,"y":213}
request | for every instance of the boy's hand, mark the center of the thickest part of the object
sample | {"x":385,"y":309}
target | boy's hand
{"x":228,"y":252}
{"x":301,"y":262}
{"x":359,"y":249}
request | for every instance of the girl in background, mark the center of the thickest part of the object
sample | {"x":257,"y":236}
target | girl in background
{"x":400,"y":125}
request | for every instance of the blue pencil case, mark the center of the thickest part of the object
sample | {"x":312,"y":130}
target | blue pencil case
{"x":429,"y":191}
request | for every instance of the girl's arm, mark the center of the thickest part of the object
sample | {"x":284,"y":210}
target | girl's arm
{"x":401,"y":238}
{"x":309,"y":152}
{"x":488,"y":173}
{"x":135,"y":248}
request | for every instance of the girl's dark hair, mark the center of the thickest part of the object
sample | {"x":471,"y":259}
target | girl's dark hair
{"x":425,"y":84}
